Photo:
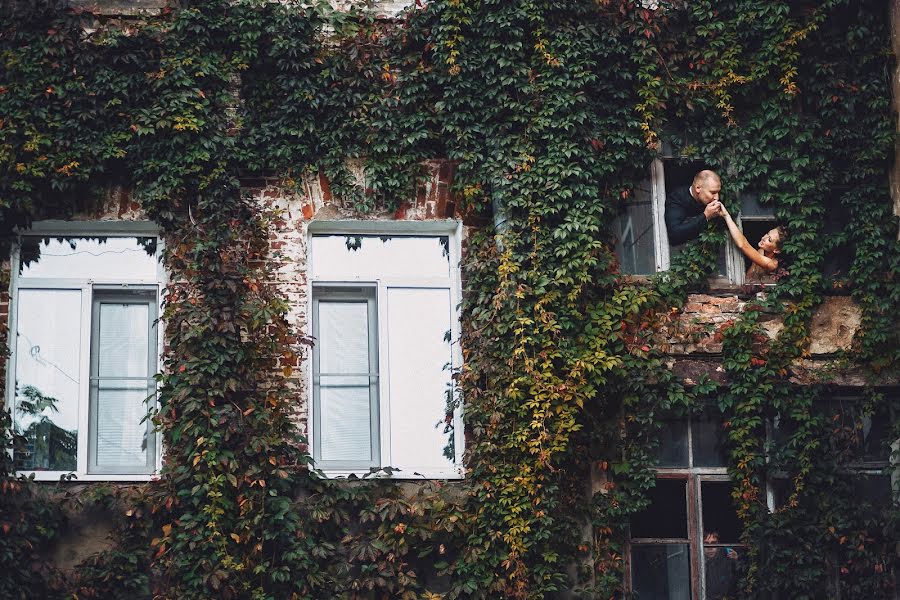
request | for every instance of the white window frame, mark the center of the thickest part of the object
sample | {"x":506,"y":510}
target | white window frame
{"x":451,"y":229}
{"x":87,"y":286}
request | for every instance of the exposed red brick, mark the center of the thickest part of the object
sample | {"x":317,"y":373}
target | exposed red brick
{"x":308,"y":212}
{"x":326,"y":187}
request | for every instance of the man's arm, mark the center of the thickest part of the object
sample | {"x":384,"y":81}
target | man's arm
{"x":681,"y":226}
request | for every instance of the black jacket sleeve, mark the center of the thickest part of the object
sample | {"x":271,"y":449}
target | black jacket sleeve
{"x":682,"y":221}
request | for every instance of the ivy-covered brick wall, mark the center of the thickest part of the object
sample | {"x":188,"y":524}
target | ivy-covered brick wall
{"x":231,"y":122}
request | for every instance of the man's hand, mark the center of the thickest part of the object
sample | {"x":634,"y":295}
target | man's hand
{"x":712,"y":210}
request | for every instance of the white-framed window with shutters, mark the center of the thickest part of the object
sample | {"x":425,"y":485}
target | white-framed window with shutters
{"x":384,"y":316}
{"x":84,"y":350}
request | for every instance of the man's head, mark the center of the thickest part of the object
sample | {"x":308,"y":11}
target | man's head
{"x":706,"y":187}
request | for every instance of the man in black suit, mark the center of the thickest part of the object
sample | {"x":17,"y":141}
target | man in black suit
{"x":689,"y":208}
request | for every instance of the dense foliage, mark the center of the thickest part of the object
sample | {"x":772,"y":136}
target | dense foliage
{"x":551,"y":112}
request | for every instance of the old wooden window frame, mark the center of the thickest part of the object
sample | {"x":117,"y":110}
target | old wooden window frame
{"x":693,"y":478}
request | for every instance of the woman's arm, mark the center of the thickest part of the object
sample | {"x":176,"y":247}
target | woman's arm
{"x":769,"y":264}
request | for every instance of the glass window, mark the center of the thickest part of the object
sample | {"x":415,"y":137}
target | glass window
{"x":345,"y":380}
{"x":661,"y":571}
{"x":687,"y":542}
{"x":383,"y":320}
{"x":123,"y":388}
{"x":635,"y":237}
{"x":708,"y":439}
{"x":88,"y":257}
{"x":48,"y":378}
{"x":85,"y":355}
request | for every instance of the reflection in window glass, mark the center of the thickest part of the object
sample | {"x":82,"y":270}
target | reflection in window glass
{"x":48,"y":343}
{"x":673,"y":446}
{"x":708,"y":437}
{"x":666,"y":517}
{"x":633,"y":229}
{"x":370,"y":258}
{"x":661,"y":571}
{"x":114,"y":258}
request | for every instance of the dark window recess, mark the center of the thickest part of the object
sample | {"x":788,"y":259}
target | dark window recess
{"x":680,"y":174}
{"x":673,"y":445}
{"x":754,"y":232}
{"x":860,"y":437}
{"x":666,"y":517}
{"x":836,"y":240}
{"x":723,"y":565}
{"x":874,"y":489}
{"x":708,"y":439}
{"x":718,"y":512}
{"x":782,"y":488}
{"x":661,"y":571}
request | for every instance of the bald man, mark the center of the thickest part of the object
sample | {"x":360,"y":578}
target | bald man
{"x":689,"y":209}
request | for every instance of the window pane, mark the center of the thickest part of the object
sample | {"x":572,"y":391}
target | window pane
{"x":123,"y":341}
{"x":722,"y":262}
{"x":874,"y":489}
{"x":719,"y":517}
{"x":673,"y":447}
{"x":111,"y":258}
{"x":708,"y":439}
{"x":121,"y":388}
{"x":661,"y":571}
{"x":343,"y":337}
{"x":722,"y":565}
{"x":666,"y":517}
{"x":345,"y":424}
{"x":418,"y":355}
{"x":634,"y":233}
{"x":48,"y":355}
{"x":122,"y":438}
{"x":370,"y":258}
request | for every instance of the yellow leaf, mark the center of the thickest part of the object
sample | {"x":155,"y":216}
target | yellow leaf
{"x":287,"y":371}
{"x":196,"y":459}
{"x":236,"y":537}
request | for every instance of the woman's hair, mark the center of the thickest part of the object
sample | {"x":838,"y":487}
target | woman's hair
{"x":782,"y":233}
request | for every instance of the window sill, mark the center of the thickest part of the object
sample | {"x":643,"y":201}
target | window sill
{"x":54,"y":476}
{"x":396,"y":474}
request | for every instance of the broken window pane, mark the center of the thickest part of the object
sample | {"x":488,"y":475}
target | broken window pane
{"x":718,"y":512}
{"x":666,"y":517}
{"x":661,"y":571}
{"x":634,"y":233}
{"x":708,"y":440}
{"x":673,"y":448}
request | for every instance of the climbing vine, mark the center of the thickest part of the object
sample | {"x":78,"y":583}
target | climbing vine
{"x":550,"y":112}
